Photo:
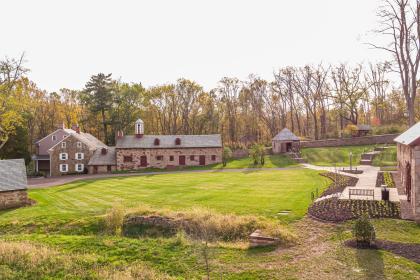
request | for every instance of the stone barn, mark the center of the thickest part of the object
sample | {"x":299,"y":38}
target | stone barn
{"x":285,"y":141}
{"x":408,"y":156}
{"x":13,"y":184}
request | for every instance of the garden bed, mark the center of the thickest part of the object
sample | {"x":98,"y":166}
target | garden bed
{"x":343,"y":181}
{"x":339,"y":210}
{"x":384,"y":179}
{"x":410,"y":251}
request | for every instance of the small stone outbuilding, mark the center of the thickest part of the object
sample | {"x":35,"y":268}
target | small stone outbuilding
{"x":285,"y":141}
{"x":408,"y":157}
{"x":361,"y":130}
{"x":13,"y":184}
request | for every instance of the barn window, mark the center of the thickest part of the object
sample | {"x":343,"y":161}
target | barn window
{"x":213,"y":157}
{"x":63,"y":144}
{"x":171,"y":158}
{"x":157,"y":142}
{"x":79,"y":144}
{"x":64,"y":156}
{"x":54,"y":137}
{"x":177,"y":141}
{"x":79,"y":156}
{"x":128,"y":158}
{"x":192,"y":158}
{"x":79,"y":167}
{"x":159,"y":157}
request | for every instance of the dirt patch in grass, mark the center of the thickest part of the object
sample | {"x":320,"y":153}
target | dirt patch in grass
{"x":409,"y":251}
{"x":340,"y":182}
{"x":339,"y":210}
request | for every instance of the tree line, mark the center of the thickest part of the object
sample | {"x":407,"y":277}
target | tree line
{"x":314,"y":101}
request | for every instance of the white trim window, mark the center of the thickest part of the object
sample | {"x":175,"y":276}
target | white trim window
{"x":79,"y":167}
{"x":64,"y":156}
{"x":79,"y":144}
{"x":54,"y":138}
{"x":63,"y":145}
{"x":64,"y":168}
{"x":79,"y":156}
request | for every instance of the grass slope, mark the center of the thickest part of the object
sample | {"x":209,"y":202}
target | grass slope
{"x":328,"y":156}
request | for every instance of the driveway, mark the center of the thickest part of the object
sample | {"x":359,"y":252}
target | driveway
{"x":36,"y":183}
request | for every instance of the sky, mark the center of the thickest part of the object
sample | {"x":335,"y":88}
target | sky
{"x":160,"y":41}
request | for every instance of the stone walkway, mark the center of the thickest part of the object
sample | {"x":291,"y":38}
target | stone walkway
{"x":367,"y":180}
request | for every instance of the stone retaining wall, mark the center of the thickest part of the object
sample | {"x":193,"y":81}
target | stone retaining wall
{"x":365,"y":140}
{"x":13,"y":199}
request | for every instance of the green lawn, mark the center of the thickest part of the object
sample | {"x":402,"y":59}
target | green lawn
{"x":59,"y":237}
{"x":330,"y":156}
{"x":263,"y":193}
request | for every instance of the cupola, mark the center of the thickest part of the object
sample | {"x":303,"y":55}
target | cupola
{"x":139,"y":128}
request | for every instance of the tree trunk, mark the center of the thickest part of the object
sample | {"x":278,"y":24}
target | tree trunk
{"x":104,"y":126}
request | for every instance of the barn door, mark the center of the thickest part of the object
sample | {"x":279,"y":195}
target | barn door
{"x":202,"y":160}
{"x":143,"y":161}
{"x":408,"y":181}
{"x":181,"y":160}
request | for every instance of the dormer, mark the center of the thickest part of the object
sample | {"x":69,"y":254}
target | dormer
{"x":178,"y":141}
{"x":156,"y":142}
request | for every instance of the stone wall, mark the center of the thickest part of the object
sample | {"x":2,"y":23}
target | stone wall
{"x":13,"y":199}
{"x":407,"y":154}
{"x":71,"y":149}
{"x":100,"y":169}
{"x":192,"y":157}
{"x":365,"y":140}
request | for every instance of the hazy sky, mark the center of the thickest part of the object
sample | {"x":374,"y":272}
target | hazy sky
{"x":159,"y":41}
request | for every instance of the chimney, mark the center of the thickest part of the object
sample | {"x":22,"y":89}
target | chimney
{"x":104,"y":151}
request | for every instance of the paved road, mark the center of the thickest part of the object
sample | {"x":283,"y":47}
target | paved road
{"x":35,"y":183}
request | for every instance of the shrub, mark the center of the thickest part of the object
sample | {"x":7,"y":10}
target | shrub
{"x":364,"y":231}
{"x":114,"y":220}
{"x":257,"y":153}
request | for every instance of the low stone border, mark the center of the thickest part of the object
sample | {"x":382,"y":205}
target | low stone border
{"x":257,"y":239}
{"x":410,"y":251}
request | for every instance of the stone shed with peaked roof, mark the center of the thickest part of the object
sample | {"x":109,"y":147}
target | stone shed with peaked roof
{"x":285,"y":141}
{"x":13,"y":184}
{"x":408,"y":157}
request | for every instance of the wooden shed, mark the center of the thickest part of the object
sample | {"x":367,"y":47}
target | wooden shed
{"x":285,"y":141}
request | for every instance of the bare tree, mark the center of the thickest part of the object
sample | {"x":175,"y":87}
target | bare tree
{"x":378,"y":85}
{"x":400,"y":21}
{"x":229,"y":89}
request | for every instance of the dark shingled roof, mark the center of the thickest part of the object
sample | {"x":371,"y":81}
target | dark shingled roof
{"x":286,"y":135}
{"x":100,"y":159}
{"x":168,"y":141}
{"x":410,"y":136}
{"x":12,"y":175}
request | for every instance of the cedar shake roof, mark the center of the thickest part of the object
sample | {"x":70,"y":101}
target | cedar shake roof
{"x":286,"y":135}
{"x":168,"y":141}
{"x":103,"y":159}
{"x":410,"y":136}
{"x":12,"y":175}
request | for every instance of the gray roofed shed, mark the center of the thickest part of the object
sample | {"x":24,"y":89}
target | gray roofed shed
{"x":12,"y":175}
{"x":168,"y":141}
{"x":286,"y":135}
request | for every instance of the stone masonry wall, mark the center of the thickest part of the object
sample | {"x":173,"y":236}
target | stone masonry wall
{"x":365,"y":140}
{"x":71,"y":149}
{"x":13,"y":199}
{"x":415,"y":174}
{"x":152,"y":154}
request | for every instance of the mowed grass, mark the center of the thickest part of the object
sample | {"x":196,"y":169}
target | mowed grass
{"x":340,"y":156}
{"x":261,"y":193}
